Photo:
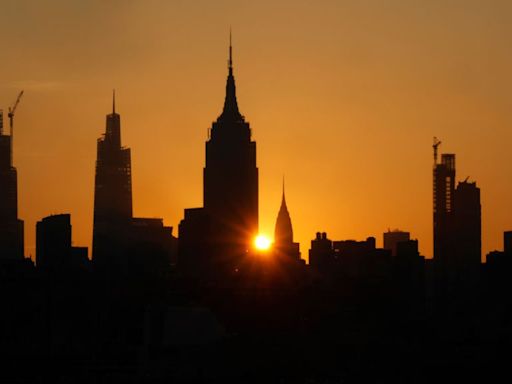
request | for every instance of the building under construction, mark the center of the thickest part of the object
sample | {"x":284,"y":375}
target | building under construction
{"x":123,"y":244}
{"x":11,"y":228}
{"x":444,"y":190}
{"x":457,"y":225}
{"x":112,"y":195}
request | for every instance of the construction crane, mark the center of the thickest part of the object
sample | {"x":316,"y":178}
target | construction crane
{"x":437,"y":142}
{"x":11,"y":120}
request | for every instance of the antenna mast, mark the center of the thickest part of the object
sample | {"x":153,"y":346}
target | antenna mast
{"x":230,"y":61}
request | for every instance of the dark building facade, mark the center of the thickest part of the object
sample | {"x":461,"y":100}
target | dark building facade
{"x":53,"y":242}
{"x":497,"y":276}
{"x":499,"y":263}
{"x":409,"y":277}
{"x":55,"y":253}
{"x":468,"y":230}
{"x":350,"y":259}
{"x":11,"y":228}
{"x":392,"y":238}
{"x":507,"y":242}
{"x":321,"y":254}
{"x":362,"y":259}
{"x":152,"y":246}
{"x":502,"y":259}
{"x":194,"y":245}
{"x":112,"y":196}
{"x":226,"y":226}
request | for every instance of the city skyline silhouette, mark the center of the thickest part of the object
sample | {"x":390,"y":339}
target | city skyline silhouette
{"x":229,"y":94}
{"x":153,"y":238}
{"x":380,"y":119}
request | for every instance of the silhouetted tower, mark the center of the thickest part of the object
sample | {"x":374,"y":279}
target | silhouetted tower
{"x":283,"y":233}
{"x":457,"y":230}
{"x":444,"y":187}
{"x":231,"y":179}
{"x":467,"y":231}
{"x":113,"y":189}
{"x":11,"y":228}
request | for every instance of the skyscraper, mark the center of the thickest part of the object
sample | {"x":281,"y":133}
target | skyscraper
{"x":11,"y":228}
{"x":112,"y":194}
{"x":283,"y":234}
{"x":468,"y":230}
{"x":231,"y":178}
{"x":444,"y":189}
{"x":457,"y":226}
{"x":216,"y":238}
{"x":123,"y":245}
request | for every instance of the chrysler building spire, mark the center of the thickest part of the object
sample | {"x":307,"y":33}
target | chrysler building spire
{"x":283,"y":231}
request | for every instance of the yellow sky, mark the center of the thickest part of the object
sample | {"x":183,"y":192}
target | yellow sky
{"x":343,"y":97}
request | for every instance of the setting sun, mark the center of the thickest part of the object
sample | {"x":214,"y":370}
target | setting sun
{"x":262,"y":243}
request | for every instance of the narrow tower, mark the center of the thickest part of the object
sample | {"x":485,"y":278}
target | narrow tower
{"x":468,"y":231}
{"x":113,"y":191}
{"x":283,"y":234}
{"x":11,"y":228}
{"x":444,"y":189}
{"x":231,"y":179}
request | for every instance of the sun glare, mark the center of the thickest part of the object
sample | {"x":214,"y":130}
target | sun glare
{"x":262,"y":243}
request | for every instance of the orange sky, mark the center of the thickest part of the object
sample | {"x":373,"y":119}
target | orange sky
{"x":343,"y":97}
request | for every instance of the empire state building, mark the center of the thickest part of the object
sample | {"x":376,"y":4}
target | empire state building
{"x":231,"y":175}
{"x":218,"y":236}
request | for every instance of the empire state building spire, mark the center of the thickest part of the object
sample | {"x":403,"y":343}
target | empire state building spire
{"x":230,"y":104}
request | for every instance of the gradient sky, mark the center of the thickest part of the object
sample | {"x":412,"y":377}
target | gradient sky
{"x":343,"y":97}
